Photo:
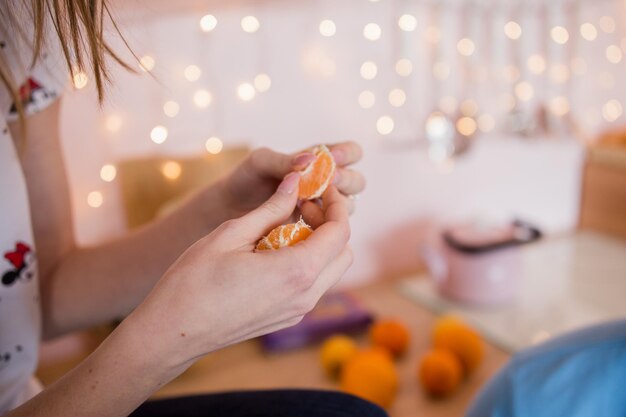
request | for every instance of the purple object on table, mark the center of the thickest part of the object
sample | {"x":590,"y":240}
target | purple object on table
{"x":335,"y":313}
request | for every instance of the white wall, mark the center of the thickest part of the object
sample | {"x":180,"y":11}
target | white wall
{"x":537,"y":179}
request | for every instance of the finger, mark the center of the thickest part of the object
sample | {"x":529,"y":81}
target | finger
{"x":329,"y":239}
{"x":332,"y":274}
{"x":349,"y":181}
{"x":346,"y":153}
{"x":271,"y":213}
{"x":312,"y":214}
{"x":272,"y":164}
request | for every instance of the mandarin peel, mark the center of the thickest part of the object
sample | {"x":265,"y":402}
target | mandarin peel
{"x":317,"y":175}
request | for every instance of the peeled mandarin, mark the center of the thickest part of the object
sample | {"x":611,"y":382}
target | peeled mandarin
{"x":391,"y":335}
{"x":439,"y":372}
{"x":315,"y":177}
{"x":371,"y":374}
{"x":285,"y":235}
{"x":335,"y":352}
{"x":454,"y":335}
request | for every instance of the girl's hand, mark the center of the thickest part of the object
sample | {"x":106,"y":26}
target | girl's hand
{"x":256,"y":178}
{"x":220,"y":291}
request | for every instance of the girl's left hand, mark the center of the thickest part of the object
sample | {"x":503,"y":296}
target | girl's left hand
{"x":257,"y":177}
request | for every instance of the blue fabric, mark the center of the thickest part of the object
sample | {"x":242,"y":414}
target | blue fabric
{"x":581,"y":374}
{"x":275,"y":403}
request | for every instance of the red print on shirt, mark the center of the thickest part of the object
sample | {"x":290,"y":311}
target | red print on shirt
{"x":22,"y":261}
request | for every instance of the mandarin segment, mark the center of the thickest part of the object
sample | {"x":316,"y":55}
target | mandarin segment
{"x":315,"y":178}
{"x":285,"y":235}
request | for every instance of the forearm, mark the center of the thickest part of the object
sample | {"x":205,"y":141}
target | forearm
{"x":94,"y":285}
{"x":121,"y":374}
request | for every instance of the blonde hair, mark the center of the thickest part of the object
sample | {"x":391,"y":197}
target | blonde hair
{"x":79,"y":26}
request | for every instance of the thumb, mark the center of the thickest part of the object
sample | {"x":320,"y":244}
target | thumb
{"x":273,"y":212}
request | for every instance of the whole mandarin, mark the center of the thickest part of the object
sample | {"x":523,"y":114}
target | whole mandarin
{"x":439,"y":372}
{"x":335,"y":352}
{"x":454,"y":335}
{"x":390,"y":334}
{"x":371,"y":374}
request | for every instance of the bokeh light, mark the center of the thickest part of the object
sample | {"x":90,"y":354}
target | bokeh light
{"x":95,"y":199}
{"x":171,"y":108}
{"x":262,"y":82}
{"x":385,"y":125}
{"x":369,"y":70}
{"x":397,"y":97}
{"x":404,"y":67}
{"x":108,"y":172}
{"x":202,"y":98}
{"x":250,"y":24}
{"x":171,"y":170}
{"x":367,"y":99}
{"x":214,"y":145}
{"x":407,"y":22}
{"x":158,"y":134}
{"x":372,"y":32}
{"x":328,"y":28}
{"x":208,"y":23}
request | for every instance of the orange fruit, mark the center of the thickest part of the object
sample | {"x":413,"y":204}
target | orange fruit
{"x":391,"y":335}
{"x":371,"y":374}
{"x":454,"y":335}
{"x":315,"y":177}
{"x":335,"y":352}
{"x":439,"y":372}
{"x":285,"y":235}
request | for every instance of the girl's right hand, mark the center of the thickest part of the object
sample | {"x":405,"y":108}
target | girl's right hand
{"x":220,"y":291}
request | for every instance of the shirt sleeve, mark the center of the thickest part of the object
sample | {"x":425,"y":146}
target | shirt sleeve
{"x":38,"y":85}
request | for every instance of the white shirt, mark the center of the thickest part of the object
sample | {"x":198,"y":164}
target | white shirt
{"x":20,"y":315}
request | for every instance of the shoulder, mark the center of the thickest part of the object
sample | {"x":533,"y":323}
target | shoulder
{"x":579,"y":374}
{"x":39,"y":82}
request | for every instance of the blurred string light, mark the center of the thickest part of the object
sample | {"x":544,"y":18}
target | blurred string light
{"x":158,"y":134}
{"x":469,"y":107}
{"x":433,"y":34}
{"x":614,"y":54}
{"x":559,"y":73}
{"x":147,"y":63}
{"x":79,"y":79}
{"x":404,"y":67}
{"x":328,"y":28}
{"x":607,"y":24}
{"x":171,"y":108}
{"x":250,"y":24}
{"x":246,"y":92}
{"x":559,"y":106}
{"x":214,"y":145}
{"x":486,"y":123}
{"x":448,"y":104}
{"x":559,"y":35}
{"x":192,"y":73}
{"x":397,"y":97}
{"x":367,"y":99}
{"x":612,"y":110}
{"x":466,"y":47}
{"x":524,"y":91}
{"x":108,"y":172}
{"x":385,"y":125}
{"x":369,"y":70}
{"x":466,"y":126}
{"x":113,"y":123}
{"x":262,"y":82}
{"x":441,"y":71}
{"x":95,"y":199}
{"x":588,"y":31}
{"x":171,"y":170}
{"x":512,"y":30}
{"x":407,"y":22}
{"x":536,"y":64}
{"x":202,"y":98}
{"x":372,"y":32}
{"x":208,"y":23}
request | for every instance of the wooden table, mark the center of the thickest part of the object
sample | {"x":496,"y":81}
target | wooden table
{"x":246,"y":366}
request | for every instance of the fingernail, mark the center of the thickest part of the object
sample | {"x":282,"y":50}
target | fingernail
{"x":290,"y":183}
{"x":339,"y":155}
{"x":304,"y":158}
{"x":337,"y":177}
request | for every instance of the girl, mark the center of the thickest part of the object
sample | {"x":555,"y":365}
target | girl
{"x":188,"y":284}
